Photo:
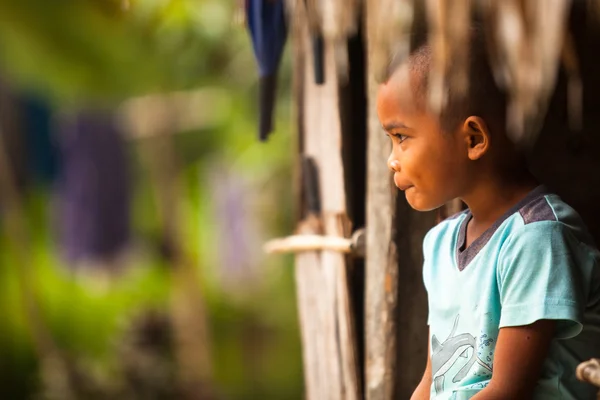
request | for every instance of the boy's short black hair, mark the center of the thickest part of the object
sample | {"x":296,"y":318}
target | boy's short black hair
{"x":484,"y":98}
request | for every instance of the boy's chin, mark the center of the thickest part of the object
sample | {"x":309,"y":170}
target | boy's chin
{"x":421,"y":203}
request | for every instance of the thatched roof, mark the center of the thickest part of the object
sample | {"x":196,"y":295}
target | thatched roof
{"x":527,"y":40}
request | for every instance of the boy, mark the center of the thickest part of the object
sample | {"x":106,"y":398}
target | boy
{"x":513,"y":282}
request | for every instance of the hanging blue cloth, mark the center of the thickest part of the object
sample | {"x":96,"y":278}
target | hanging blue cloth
{"x":268,"y":30}
{"x":42,"y":148}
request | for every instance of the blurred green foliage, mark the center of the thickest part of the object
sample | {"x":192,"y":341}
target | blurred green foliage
{"x":87,"y":51}
{"x":82,"y":50}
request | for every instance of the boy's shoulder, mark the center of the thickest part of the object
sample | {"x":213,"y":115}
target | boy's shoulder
{"x":547,"y":212}
{"x":539,"y":214}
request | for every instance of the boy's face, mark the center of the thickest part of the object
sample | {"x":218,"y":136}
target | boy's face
{"x":429,"y":165}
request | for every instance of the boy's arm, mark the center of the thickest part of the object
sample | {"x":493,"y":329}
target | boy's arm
{"x":424,"y":388}
{"x":518,"y":359}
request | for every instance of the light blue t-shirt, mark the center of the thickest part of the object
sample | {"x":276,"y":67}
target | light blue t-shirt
{"x":536,"y":262}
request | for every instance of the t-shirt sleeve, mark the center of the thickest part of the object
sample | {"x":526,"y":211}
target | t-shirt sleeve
{"x":539,"y":279}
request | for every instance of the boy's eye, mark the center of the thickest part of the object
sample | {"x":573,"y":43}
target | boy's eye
{"x":400,"y":137}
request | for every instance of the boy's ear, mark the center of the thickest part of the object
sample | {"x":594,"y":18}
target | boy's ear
{"x":477,"y":137}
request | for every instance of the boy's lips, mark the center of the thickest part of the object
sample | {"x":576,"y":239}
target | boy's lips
{"x":402,"y":185}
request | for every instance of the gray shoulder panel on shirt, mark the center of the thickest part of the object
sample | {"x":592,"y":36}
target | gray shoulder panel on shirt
{"x":537,"y":210}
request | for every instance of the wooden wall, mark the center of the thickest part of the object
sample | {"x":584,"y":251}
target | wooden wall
{"x":387,"y":297}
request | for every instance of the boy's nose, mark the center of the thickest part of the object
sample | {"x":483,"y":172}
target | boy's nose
{"x":393,"y":164}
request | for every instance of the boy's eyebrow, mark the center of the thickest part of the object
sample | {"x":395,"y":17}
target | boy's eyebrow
{"x":394,"y":125}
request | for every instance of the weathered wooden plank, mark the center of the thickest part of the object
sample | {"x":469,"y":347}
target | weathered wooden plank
{"x":381,"y":261}
{"x":395,"y":299}
{"x":328,"y":337}
{"x":381,"y":269}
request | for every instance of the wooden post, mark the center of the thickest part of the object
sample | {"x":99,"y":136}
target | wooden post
{"x":395,"y":299}
{"x":381,"y":262}
{"x":324,"y":299}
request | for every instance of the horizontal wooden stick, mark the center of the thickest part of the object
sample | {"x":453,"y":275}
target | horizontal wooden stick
{"x":300,"y":243}
{"x":303,"y":243}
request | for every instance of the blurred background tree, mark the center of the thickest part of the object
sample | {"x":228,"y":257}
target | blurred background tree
{"x":114,"y":328}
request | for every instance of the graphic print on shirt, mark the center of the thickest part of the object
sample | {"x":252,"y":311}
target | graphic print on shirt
{"x":455,"y":350}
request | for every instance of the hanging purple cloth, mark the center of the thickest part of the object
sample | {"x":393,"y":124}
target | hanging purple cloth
{"x":93,"y":188}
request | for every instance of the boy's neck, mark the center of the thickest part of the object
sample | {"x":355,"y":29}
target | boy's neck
{"x":491,"y":198}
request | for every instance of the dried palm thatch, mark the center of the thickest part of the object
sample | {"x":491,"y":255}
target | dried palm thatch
{"x":527,"y":42}
{"x":448,"y":33}
{"x":391,"y":21}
